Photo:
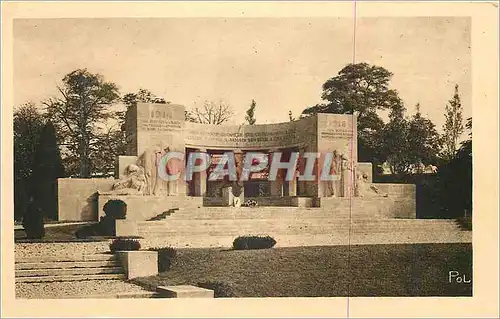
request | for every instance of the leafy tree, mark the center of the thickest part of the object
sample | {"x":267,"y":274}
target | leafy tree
{"x":47,"y":168}
{"x":409,"y":143}
{"x":453,"y":126}
{"x":361,"y":89}
{"x":455,"y":180}
{"x":250,"y":117}
{"x":119,"y":141}
{"x":109,"y":143}
{"x":212,"y":113}
{"x":142,"y":95}
{"x":28,"y":123}
{"x":395,"y":145}
{"x":423,"y":140}
{"x":83,"y":105}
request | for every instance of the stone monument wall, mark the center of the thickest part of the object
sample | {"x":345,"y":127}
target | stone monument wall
{"x":159,"y":125}
{"x":338,"y":133}
{"x":77,"y":197}
{"x":298,"y":133}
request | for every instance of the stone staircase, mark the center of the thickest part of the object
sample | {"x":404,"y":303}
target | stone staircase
{"x":78,"y":268}
{"x":296,"y":226}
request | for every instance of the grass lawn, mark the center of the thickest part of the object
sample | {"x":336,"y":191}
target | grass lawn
{"x":326,"y":271}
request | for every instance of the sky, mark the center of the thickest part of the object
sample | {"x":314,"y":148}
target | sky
{"x":280,"y":62}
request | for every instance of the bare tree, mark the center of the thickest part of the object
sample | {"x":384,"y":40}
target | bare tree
{"x":211,"y":113}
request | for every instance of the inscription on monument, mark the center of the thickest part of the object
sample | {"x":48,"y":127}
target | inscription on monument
{"x":336,"y":129}
{"x":285,"y":136}
{"x":160,"y":120}
{"x":158,"y":124}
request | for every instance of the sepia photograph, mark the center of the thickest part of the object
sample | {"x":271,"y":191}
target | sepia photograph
{"x":242,"y":157}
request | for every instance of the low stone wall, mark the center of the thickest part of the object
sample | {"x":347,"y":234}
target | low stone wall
{"x":77,"y":197}
{"x":215,"y":201}
{"x":141,"y":207}
{"x":398,"y":190}
{"x":268,"y":201}
{"x":274,"y":201}
{"x":372,"y":207}
{"x":139,"y":263}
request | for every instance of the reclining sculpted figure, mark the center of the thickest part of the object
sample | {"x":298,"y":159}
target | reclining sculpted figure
{"x":365,"y":189}
{"x":133,"y":183}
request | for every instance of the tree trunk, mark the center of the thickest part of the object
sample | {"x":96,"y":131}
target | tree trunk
{"x":84,"y":145}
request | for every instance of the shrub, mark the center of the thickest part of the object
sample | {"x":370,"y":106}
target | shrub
{"x":33,"y":221}
{"x":166,"y":255}
{"x":465,"y":223}
{"x":253,"y":242}
{"x":115,"y":209}
{"x":106,"y":226}
{"x":124,"y":244}
{"x":221,"y":289}
{"x":87,"y":231}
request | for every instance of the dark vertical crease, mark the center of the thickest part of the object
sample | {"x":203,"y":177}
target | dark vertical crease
{"x":351,"y":181}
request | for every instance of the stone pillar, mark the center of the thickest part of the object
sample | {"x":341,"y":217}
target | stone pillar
{"x":238,"y":188}
{"x":291,"y":185}
{"x":199,"y":182}
{"x":276,"y":186}
{"x":307,"y":187}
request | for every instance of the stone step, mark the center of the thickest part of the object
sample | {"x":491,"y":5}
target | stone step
{"x":291,"y":231}
{"x":292,"y":219}
{"x":221,"y":224}
{"x":374,"y":211}
{"x":71,"y":278}
{"x":68,"y":271}
{"x":320,"y":226}
{"x":74,"y":258}
{"x":296,"y":240}
{"x":66,"y":264}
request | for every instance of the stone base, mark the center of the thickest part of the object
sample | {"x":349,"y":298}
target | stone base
{"x":77,"y":197}
{"x":139,"y":263}
{"x":184,"y":291}
{"x":126,"y":228}
{"x":141,"y":207}
{"x":265,"y":201}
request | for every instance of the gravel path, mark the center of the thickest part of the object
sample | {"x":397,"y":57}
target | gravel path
{"x":72,"y":289}
{"x":40,"y":250}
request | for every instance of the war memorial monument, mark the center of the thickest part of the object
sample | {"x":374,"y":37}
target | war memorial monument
{"x":297,"y":185}
{"x":154,"y":129}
